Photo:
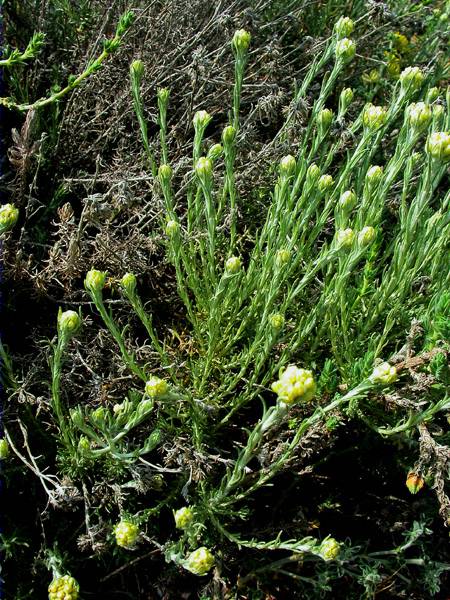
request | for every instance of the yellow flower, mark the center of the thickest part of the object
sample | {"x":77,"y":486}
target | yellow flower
{"x":233,"y":265}
{"x":95,"y":280}
{"x":8,"y":217}
{"x":63,"y":588}
{"x":384,"y":374}
{"x":183,"y":517}
{"x":199,"y":561}
{"x":374,"y":117}
{"x":438,"y":146}
{"x":126,"y":534}
{"x":68,"y":322}
{"x":295,"y":384}
{"x":329,"y":549}
{"x":156,"y":387}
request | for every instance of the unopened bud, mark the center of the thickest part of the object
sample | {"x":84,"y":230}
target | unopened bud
{"x":329,"y":549}
{"x":241,"y":40}
{"x":344,"y":27}
{"x":8,"y":217}
{"x":287,"y":165}
{"x":366,"y":235}
{"x":345,"y":99}
{"x":345,"y":50}
{"x":69,"y":322}
{"x":201,"y":119}
{"x":438,"y":146}
{"x":432,"y":95}
{"x":156,"y":387}
{"x":126,"y":534}
{"x":95,"y":280}
{"x":374,"y":175}
{"x":414,"y":482}
{"x":199,"y":561}
{"x":325,"y":182}
{"x":312,"y":174}
{"x":204,"y":168}
{"x":128,"y":282}
{"x":411,"y":78}
{"x":276,"y":321}
{"x":183,"y":517}
{"x":165,"y":173}
{"x":215,"y":151}
{"x":172,"y":227}
{"x":347,"y":200}
{"x":374,"y":117}
{"x":233,"y":265}
{"x":4,"y":449}
{"x":345,"y":237}
{"x":419,"y":115}
{"x":163,"y":95}
{"x":283,"y":256}
{"x":323,"y":120}
{"x":137,"y":68}
{"x":228,"y":135}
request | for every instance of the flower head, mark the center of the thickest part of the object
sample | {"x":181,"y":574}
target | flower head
{"x":438,"y":146}
{"x":312,"y":174}
{"x":201,"y":119}
{"x":68,"y":322}
{"x":282,"y":257}
{"x":374,"y":175}
{"x":63,"y":588}
{"x":411,"y":78}
{"x":233,"y":265}
{"x":172,"y":227}
{"x":345,"y":49}
{"x":323,"y":119}
{"x":8,"y":217}
{"x":164,"y":173}
{"x":345,"y":237}
{"x":276,"y":321}
{"x":345,"y":99}
{"x":183,"y":517}
{"x":366,"y":235}
{"x":156,"y":387}
{"x":374,"y":117}
{"x":419,"y":115}
{"x":384,"y":374}
{"x":347,"y":200}
{"x":344,"y":27}
{"x":215,"y":151}
{"x":129,"y":283}
{"x":199,"y":561}
{"x":126,"y":534}
{"x":287,"y":165}
{"x":241,"y":40}
{"x":137,"y":68}
{"x":204,"y":168}
{"x":414,"y":482}
{"x":228,"y":135}
{"x":94,"y":281}
{"x":295,"y":384}
{"x":329,"y":549}
{"x":4,"y":449}
{"x":324,"y":183}
{"x":163,"y":95}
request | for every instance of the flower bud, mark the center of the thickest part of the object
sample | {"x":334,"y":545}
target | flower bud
{"x":329,"y":549}
{"x":411,"y":78}
{"x":215,"y":151}
{"x":156,"y":387}
{"x":144,"y":407}
{"x":128,"y":282}
{"x":287,"y":165}
{"x":8,"y":217}
{"x":419,"y":115}
{"x":95,"y":281}
{"x":345,"y":50}
{"x":347,"y":200}
{"x":126,"y":534}
{"x":68,"y":322}
{"x":4,"y":449}
{"x":384,"y":374}
{"x":414,"y":482}
{"x":374,"y":175}
{"x":374,"y":117}
{"x":400,"y":41}
{"x":63,"y":588}
{"x":165,"y":173}
{"x":137,"y":68}
{"x":366,"y":236}
{"x":344,"y":27}
{"x":233,"y":265}
{"x":228,"y":135}
{"x":183,"y":517}
{"x":282,"y":257}
{"x":199,"y":561}
{"x":294,"y":384}
{"x":163,"y":95}
{"x":276,"y":321}
{"x":432,"y":95}
{"x":172,"y":227}
{"x":438,"y":112}
{"x":373,"y":76}
{"x":312,"y":174}
{"x":345,"y":99}
{"x":203,"y":168}
{"x":241,"y":40}
{"x":345,"y":237}
{"x":84,"y":445}
{"x":325,"y":182}
{"x":323,"y":120}
{"x":201,"y":119}
{"x":438,"y":146}
{"x":99,"y":415}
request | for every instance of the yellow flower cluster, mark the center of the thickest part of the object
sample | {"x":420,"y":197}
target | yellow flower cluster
{"x":63,"y":588}
{"x":384,"y":373}
{"x":183,"y":517}
{"x":200,"y":561}
{"x":156,"y":387}
{"x":329,"y":549}
{"x":295,"y":384}
{"x":126,"y":534}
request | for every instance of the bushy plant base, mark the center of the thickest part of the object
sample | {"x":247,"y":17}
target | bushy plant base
{"x":235,"y":382}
